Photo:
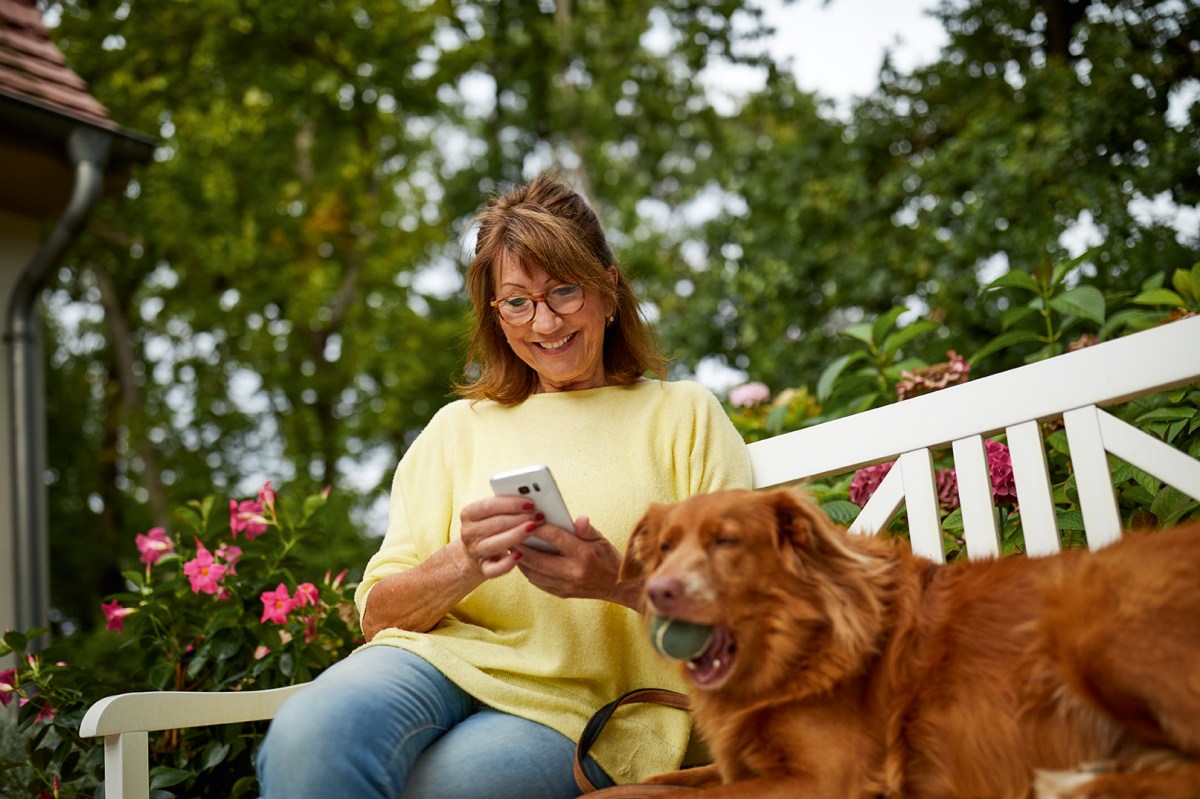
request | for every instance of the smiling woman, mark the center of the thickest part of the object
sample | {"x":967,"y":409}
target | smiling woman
{"x":540,"y":238}
{"x":477,"y":677}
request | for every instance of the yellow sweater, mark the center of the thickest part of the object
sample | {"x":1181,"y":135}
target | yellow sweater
{"x":512,"y":646}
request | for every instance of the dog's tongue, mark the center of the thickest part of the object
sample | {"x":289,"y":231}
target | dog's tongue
{"x":709,"y":668}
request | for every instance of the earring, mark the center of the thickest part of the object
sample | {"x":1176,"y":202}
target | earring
{"x":609,"y":321}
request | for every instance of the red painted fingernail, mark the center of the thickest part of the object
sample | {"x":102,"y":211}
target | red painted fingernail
{"x":528,"y":506}
{"x":530,"y":527}
{"x":518,"y":555}
{"x":541,"y":517}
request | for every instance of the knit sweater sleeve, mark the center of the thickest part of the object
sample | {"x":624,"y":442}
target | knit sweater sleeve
{"x":719,"y":459}
{"x":420,"y":515}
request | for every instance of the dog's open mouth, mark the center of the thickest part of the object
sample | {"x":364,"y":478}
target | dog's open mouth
{"x":712,"y":667}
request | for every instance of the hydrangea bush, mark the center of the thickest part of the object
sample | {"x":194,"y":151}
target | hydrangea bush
{"x":1055,"y":319}
{"x":220,"y":603}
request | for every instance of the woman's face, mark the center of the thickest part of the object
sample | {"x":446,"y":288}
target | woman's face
{"x":567,"y":352}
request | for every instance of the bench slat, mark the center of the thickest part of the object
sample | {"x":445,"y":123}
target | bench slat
{"x":1034,"y":495}
{"x":1097,"y":497}
{"x":975,"y":498}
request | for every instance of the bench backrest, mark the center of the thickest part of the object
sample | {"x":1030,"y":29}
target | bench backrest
{"x":1074,"y":387}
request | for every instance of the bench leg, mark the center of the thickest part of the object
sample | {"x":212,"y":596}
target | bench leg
{"x":127,"y":766}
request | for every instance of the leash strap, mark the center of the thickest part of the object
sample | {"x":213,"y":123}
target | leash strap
{"x":595,"y":725}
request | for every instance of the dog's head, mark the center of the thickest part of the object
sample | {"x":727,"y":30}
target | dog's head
{"x":783,"y":589}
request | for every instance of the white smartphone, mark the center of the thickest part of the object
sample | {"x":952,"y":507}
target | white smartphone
{"x":536,"y":484}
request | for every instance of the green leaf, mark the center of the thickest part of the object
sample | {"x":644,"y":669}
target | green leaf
{"x":215,"y":754}
{"x":953,"y":523}
{"x":1083,"y":301}
{"x":166,"y":776}
{"x":1063,"y":268}
{"x":830,"y":375}
{"x":1187,"y":283}
{"x":775,"y":419}
{"x":1058,"y":442}
{"x":1158,"y":297}
{"x":894,"y":342}
{"x":1167,"y":414}
{"x":1015,"y":279}
{"x":16,"y":641}
{"x":198,"y":662}
{"x":862,"y":332}
{"x":1015,"y":315}
{"x":885,"y":323}
{"x":1170,"y":505}
{"x":841,"y":511}
{"x":287,"y":664}
{"x":312,"y":504}
{"x":1069,"y":520}
{"x":1004,"y":341}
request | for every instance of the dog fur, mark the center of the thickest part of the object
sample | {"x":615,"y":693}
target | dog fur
{"x":845,"y":666}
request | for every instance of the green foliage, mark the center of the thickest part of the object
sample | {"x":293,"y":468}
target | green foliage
{"x":208,"y":611}
{"x":878,"y":373}
{"x":260,"y":300}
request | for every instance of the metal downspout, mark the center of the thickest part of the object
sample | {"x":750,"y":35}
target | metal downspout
{"x":88,"y":150}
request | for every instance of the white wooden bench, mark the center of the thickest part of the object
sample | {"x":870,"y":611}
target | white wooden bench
{"x":1074,"y":387}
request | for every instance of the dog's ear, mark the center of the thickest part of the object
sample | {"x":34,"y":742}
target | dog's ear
{"x":641,"y":543}
{"x":801,"y":526}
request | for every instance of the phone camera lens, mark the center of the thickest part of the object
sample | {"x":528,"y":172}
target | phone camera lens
{"x":524,"y":489}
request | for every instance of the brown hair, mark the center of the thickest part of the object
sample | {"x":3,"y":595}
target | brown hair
{"x":546,"y":224}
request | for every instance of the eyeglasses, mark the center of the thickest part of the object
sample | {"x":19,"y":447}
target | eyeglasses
{"x":519,"y":309}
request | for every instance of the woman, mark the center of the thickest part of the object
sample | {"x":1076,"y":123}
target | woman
{"x":486,"y":657}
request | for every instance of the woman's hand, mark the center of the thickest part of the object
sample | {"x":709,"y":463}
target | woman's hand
{"x":416,"y":599}
{"x":493,"y":530}
{"x":586,"y":566}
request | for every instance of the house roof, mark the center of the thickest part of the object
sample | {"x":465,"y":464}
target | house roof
{"x":33,"y":69}
{"x":42,"y":101}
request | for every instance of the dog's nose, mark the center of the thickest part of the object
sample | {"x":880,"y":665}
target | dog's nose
{"x":665,"y":592}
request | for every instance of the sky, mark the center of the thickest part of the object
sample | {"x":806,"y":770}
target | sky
{"x":836,"y":48}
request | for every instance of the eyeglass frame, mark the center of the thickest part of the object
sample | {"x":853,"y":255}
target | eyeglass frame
{"x":540,"y":298}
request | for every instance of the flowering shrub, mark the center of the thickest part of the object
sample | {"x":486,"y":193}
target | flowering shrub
{"x":217,"y":605}
{"x":924,"y":379}
{"x":756,"y":415}
{"x":880,"y":371}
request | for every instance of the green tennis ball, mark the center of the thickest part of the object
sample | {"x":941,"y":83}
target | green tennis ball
{"x":679,"y":640}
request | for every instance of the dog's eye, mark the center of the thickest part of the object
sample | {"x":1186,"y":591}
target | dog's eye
{"x":727,"y":541}
{"x":664,"y":547}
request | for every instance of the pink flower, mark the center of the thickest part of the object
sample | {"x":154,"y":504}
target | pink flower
{"x":931,"y":378}
{"x":45,"y":713}
{"x":266,"y":496}
{"x":947,"y":488}
{"x":230,"y":554}
{"x":204,"y":573}
{"x":276,"y":605}
{"x":154,"y":545}
{"x":337,"y":581}
{"x":261,"y":651}
{"x":306,"y":594}
{"x":247,"y":516}
{"x":325,"y":492}
{"x":866,"y":481}
{"x":1004,"y":487}
{"x":8,"y":686}
{"x":115,"y":615}
{"x":748,"y":395}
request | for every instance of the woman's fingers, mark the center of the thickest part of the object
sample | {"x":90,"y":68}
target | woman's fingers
{"x":492,"y":530}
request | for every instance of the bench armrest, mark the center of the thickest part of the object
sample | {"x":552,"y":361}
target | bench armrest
{"x":124,"y":721}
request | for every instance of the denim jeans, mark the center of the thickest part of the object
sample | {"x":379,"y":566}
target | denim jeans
{"x":384,"y":724}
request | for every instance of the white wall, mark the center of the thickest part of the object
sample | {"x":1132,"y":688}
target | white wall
{"x":19,"y":240}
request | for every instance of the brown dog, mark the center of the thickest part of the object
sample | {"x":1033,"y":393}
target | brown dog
{"x":844,"y":666}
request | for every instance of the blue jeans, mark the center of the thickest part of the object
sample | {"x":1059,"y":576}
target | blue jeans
{"x":384,"y":723}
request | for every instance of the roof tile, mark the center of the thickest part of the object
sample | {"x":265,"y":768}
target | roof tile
{"x":32,"y":67}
